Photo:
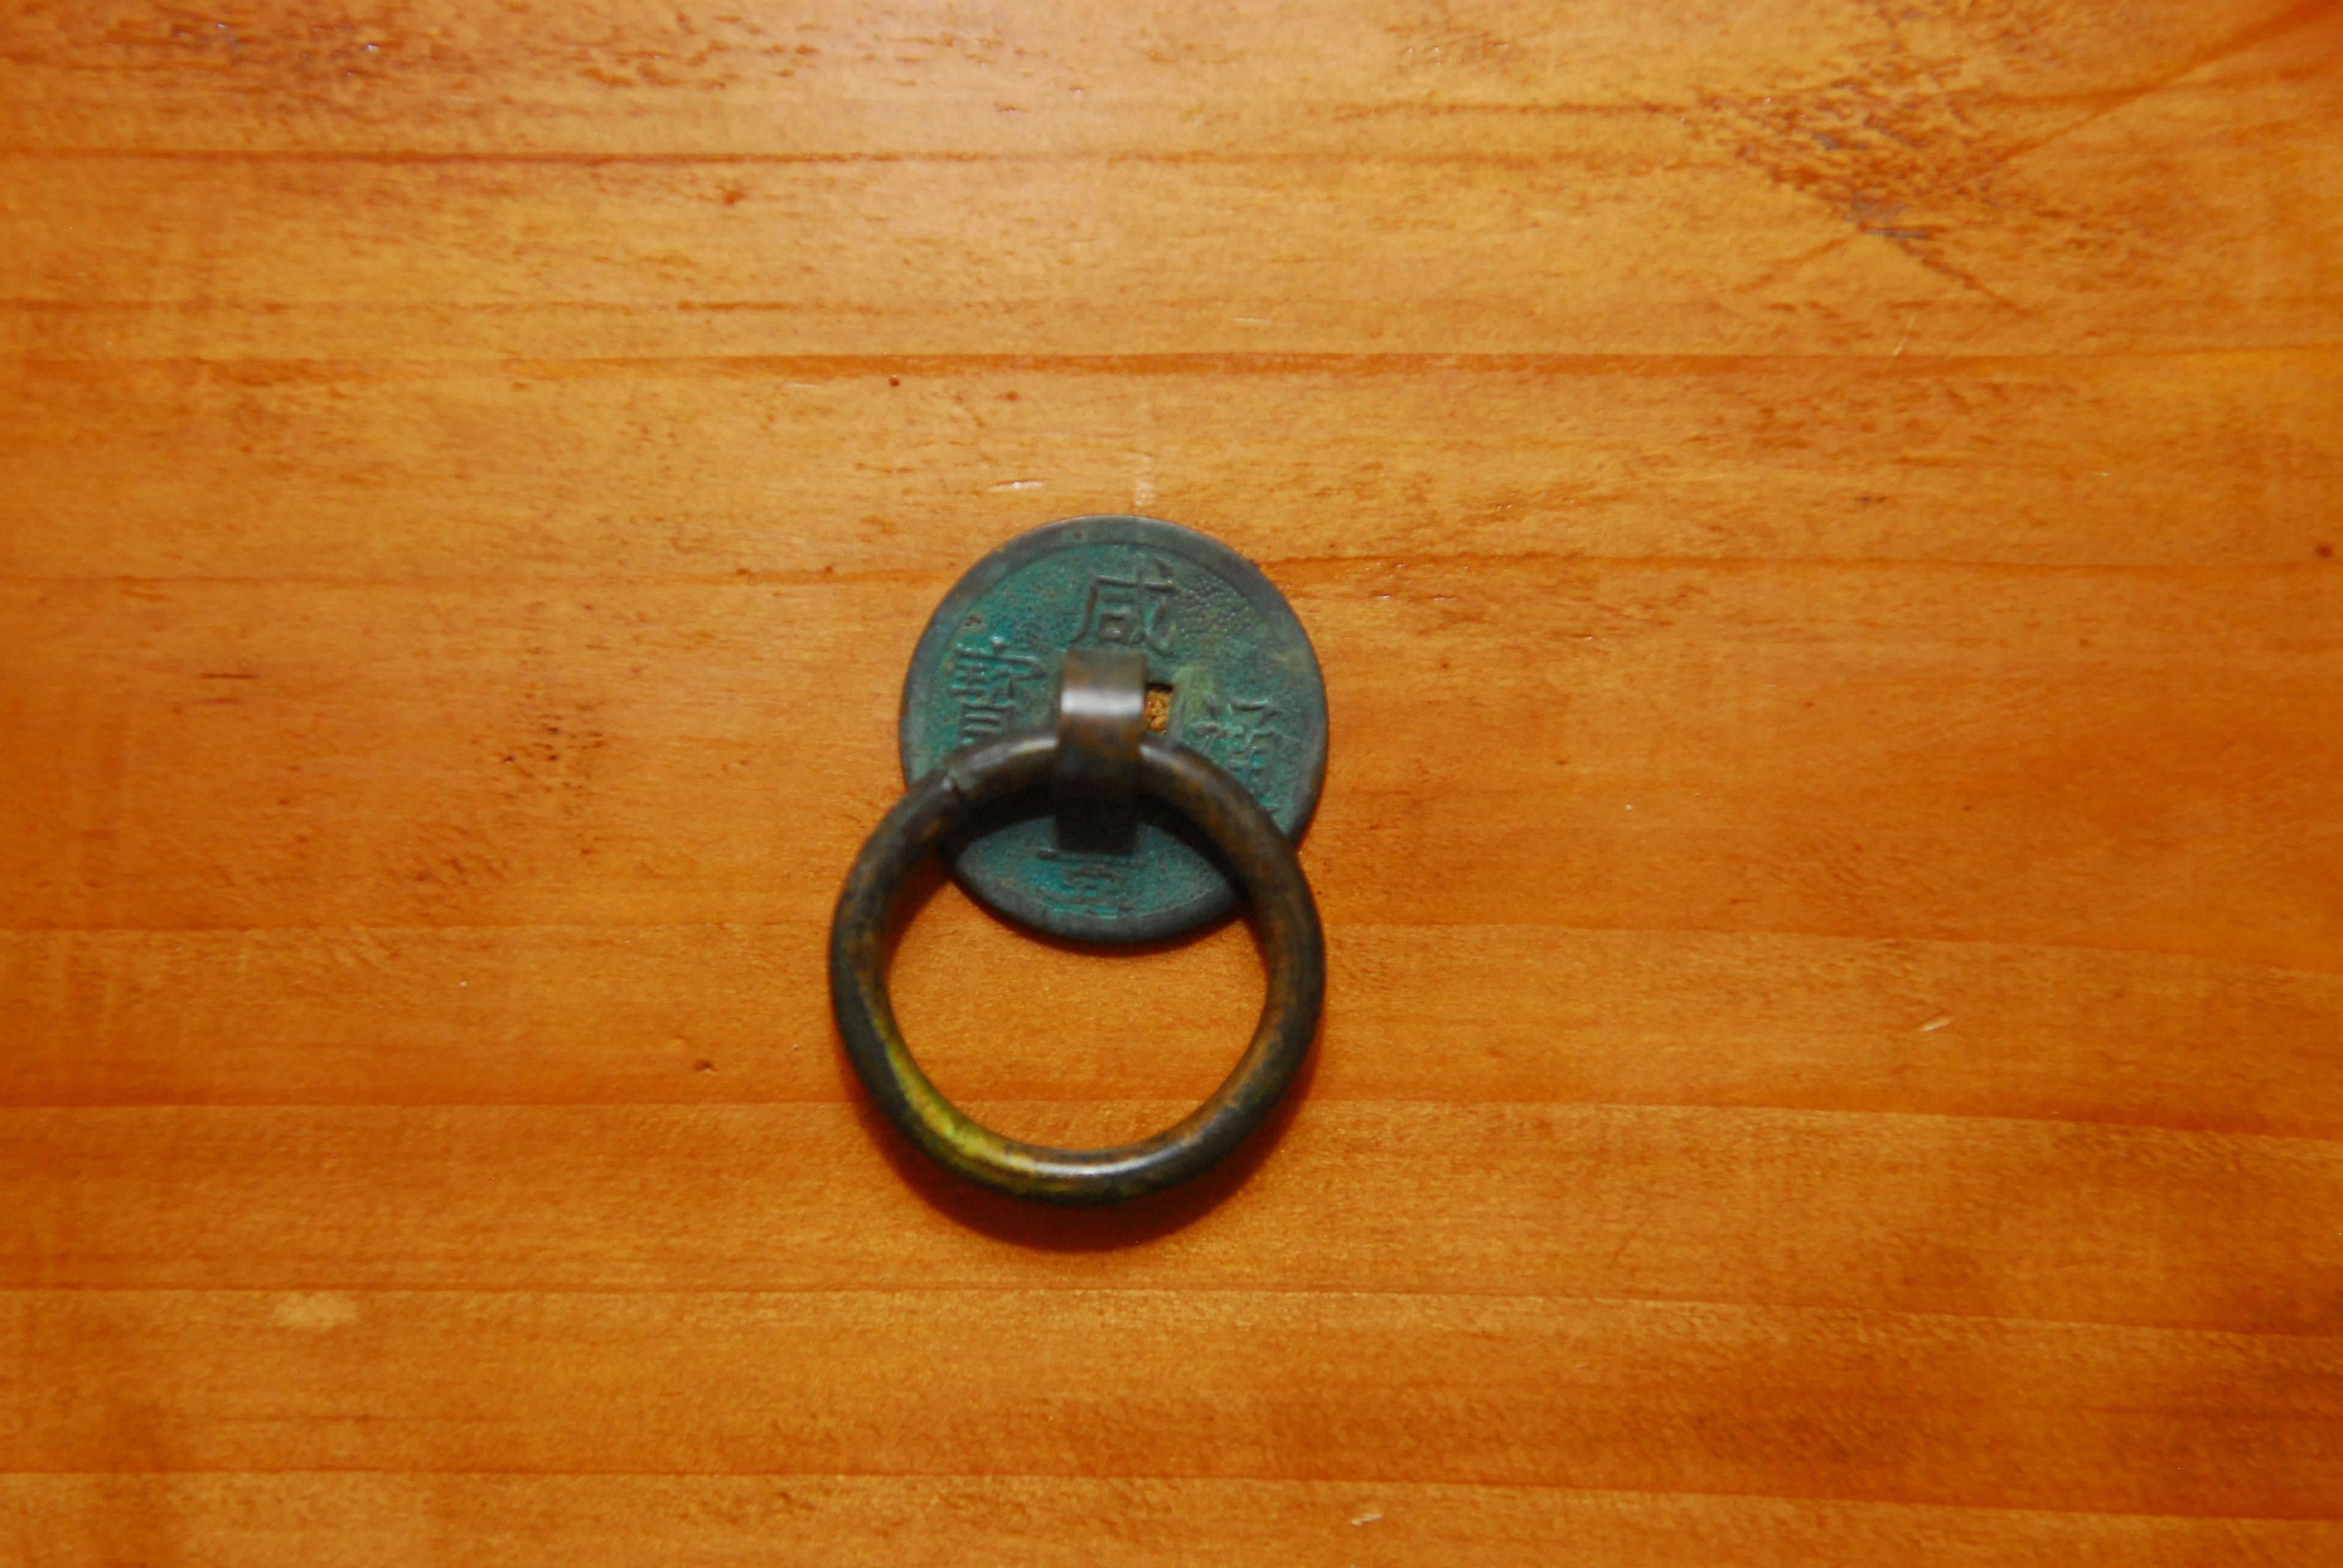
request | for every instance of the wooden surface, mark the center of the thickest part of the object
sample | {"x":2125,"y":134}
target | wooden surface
{"x":1821,"y":523}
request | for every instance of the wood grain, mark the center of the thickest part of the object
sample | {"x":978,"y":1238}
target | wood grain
{"x":1820,"y":523}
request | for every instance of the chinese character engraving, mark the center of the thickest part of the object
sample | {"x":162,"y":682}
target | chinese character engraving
{"x":1097,"y":882}
{"x":1133,"y":611}
{"x":985,"y":678}
{"x":1241,"y":733}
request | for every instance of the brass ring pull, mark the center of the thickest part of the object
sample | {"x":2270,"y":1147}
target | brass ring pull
{"x":1258,"y":855}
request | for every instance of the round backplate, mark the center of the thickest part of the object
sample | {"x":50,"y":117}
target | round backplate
{"x":1232,"y":674}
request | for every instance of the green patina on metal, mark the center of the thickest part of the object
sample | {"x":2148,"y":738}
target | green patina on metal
{"x":1244,"y":691}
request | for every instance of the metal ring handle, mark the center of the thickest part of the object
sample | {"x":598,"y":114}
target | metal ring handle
{"x":1265,"y":865}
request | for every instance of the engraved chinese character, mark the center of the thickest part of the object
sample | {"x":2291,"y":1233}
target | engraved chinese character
{"x":1133,"y":611}
{"x":1096,"y":880}
{"x":985,"y":678}
{"x":1241,"y":733}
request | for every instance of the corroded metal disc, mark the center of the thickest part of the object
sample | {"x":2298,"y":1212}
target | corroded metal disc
{"x":1222,"y":645}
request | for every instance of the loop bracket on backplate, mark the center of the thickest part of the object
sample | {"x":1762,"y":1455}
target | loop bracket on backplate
{"x":1102,"y":714}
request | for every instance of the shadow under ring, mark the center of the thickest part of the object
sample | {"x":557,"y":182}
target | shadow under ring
{"x":1253,"y":850}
